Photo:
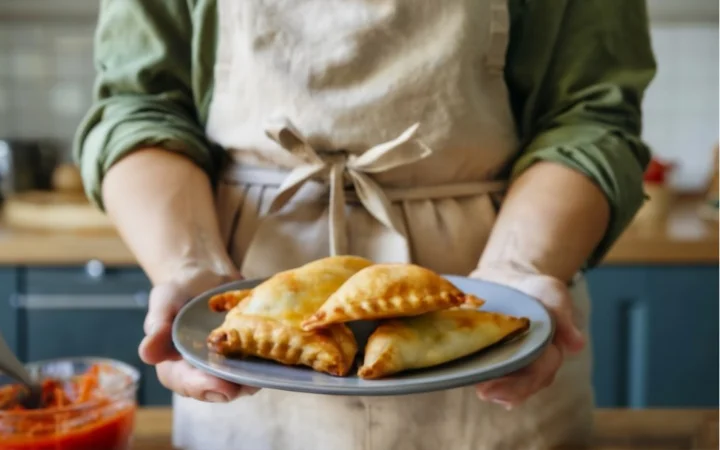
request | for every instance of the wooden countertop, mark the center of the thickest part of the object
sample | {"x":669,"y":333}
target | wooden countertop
{"x":685,"y":238}
{"x":677,"y":429}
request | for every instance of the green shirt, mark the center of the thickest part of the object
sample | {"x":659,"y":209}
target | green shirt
{"x":576,"y":70}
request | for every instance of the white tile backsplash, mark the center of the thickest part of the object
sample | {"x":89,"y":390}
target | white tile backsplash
{"x":681,"y":106}
{"x":68,"y":99}
{"x":47,"y":68}
{"x":75,"y":42}
{"x":30,"y":64}
{"x":4,"y":101}
{"x":72,"y":66}
{"x":6,"y":65}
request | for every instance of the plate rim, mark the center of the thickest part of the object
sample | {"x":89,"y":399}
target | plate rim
{"x":401,"y":388}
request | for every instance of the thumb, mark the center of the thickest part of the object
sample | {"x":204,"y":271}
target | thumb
{"x":567,"y":333}
{"x":555,"y":295}
{"x":158,"y":347}
{"x":165,"y":302}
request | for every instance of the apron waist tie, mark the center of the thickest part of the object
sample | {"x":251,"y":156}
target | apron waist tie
{"x":340,"y":169}
{"x":240,"y":174}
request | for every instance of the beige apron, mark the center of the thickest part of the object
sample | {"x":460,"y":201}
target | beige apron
{"x":376,"y":128}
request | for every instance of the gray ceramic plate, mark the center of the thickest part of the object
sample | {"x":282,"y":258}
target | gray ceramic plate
{"x":195,"y":322}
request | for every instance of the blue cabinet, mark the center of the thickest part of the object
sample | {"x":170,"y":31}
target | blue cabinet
{"x":8,"y":289}
{"x":655,"y":335}
{"x":93,"y":311}
{"x":655,"y":328}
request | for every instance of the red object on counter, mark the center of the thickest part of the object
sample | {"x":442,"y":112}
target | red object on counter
{"x":75,"y":415}
{"x":111,"y":433}
{"x":657,"y":171}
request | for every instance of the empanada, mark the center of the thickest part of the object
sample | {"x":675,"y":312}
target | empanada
{"x":227,"y":300}
{"x":389,"y":290}
{"x":435,"y":338}
{"x":266,"y":323}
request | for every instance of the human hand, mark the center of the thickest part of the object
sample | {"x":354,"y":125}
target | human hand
{"x":515,"y":388}
{"x":157,"y":348}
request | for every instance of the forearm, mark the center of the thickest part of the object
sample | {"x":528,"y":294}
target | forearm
{"x":163,"y":207}
{"x":550,"y":222}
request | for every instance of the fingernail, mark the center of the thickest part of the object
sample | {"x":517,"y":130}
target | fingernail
{"x":247,"y":391}
{"x":579,"y":340}
{"x":578,"y":335}
{"x":491,"y":397}
{"x":214,"y":397}
{"x":508,"y":406}
{"x":490,"y":394}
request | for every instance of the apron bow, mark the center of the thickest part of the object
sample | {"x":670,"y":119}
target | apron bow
{"x":340,"y":168}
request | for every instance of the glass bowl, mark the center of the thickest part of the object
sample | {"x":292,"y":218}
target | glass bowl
{"x":102,"y":423}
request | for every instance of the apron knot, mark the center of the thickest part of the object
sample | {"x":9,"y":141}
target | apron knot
{"x":339,"y":169}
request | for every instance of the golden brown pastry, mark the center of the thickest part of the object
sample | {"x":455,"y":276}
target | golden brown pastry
{"x":389,"y":290}
{"x":227,"y":300}
{"x":267,"y":322}
{"x":435,"y":338}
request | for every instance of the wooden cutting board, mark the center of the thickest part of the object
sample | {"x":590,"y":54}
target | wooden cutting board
{"x":54,"y":211}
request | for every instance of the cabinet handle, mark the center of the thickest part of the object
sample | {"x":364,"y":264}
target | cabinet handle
{"x":139,"y":300}
{"x":95,"y":269}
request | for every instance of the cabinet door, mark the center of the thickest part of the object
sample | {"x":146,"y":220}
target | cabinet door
{"x":86,"y":312}
{"x":682,"y":337}
{"x":8,"y":320}
{"x":616,"y":320}
{"x":655,"y":336}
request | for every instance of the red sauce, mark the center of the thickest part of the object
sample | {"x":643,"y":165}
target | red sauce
{"x":112,"y":433}
{"x":74,"y":416}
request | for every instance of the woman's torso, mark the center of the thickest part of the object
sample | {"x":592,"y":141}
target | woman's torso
{"x":353,"y":74}
{"x":350,"y":75}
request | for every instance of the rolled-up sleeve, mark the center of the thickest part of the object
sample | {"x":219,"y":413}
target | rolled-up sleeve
{"x":577,"y":89}
{"x":143,"y":95}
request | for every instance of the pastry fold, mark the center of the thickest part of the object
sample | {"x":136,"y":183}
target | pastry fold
{"x":227,"y":300}
{"x":387,"y":291}
{"x":266,"y":321}
{"x":435,"y":338}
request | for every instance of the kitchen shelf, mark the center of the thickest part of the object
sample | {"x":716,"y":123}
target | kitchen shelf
{"x":683,"y":11}
{"x":661,"y":11}
{"x":49,"y":10}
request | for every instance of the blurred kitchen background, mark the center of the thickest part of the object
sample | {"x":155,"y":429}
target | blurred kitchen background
{"x":68,"y":286}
